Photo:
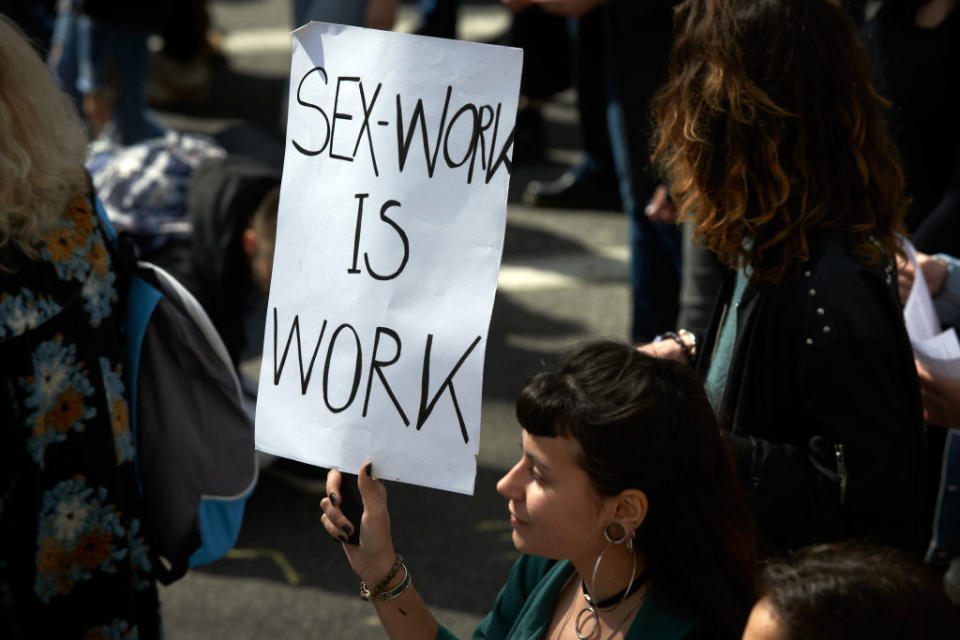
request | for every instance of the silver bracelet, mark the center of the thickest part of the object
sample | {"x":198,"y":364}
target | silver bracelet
{"x":688,"y":353}
{"x":693,"y":341}
{"x":400,"y":588}
{"x":368,"y":594}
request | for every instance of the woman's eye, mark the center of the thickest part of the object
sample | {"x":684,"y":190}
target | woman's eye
{"x":536,"y":476}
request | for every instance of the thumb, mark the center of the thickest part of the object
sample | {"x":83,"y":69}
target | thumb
{"x":372,"y":492}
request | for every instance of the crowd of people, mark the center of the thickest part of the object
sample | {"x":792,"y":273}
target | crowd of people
{"x":773,"y":464}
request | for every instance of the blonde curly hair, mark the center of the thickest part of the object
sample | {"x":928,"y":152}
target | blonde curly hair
{"x":42,"y":144}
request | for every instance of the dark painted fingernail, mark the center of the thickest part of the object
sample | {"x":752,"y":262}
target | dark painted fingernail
{"x":348,"y":529}
{"x":342,"y":537}
{"x":333,"y":499}
{"x":370,"y":469}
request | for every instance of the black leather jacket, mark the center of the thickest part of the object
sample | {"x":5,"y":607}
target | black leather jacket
{"x":822,"y":404}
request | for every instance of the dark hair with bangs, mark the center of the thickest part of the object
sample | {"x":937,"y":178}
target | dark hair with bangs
{"x":645,"y":423}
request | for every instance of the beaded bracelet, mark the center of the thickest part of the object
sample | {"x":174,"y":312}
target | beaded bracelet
{"x":683,"y":333}
{"x":368,"y":594}
{"x":687,"y":353}
{"x":400,"y":588}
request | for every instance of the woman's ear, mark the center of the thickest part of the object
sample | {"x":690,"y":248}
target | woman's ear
{"x":632,"y":507}
{"x":249,"y":240}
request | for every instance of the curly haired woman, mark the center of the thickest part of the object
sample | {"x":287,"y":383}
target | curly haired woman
{"x":774,"y":144}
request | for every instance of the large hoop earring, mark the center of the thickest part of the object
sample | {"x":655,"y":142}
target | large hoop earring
{"x":588,"y":616}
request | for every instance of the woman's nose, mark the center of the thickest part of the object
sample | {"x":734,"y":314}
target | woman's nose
{"x":507,"y":485}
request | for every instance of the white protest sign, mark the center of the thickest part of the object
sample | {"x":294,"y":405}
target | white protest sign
{"x":389,"y":237}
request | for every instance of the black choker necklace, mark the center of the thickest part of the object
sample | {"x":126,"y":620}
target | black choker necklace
{"x":619,"y":597}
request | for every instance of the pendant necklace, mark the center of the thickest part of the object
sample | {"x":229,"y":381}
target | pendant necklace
{"x":613,"y":631}
{"x":588,"y":618}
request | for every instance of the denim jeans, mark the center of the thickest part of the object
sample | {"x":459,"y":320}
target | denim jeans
{"x":438,"y":18}
{"x":335,"y":11}
{"x":83,"y":55}
{"x":655,"y":248}
{"x":945,"y":544}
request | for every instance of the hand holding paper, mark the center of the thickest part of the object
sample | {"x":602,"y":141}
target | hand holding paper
{"x":937,"y":352}
{"x":372,"y":558}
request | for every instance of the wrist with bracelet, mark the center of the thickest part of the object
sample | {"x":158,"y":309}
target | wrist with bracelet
{"x":380,"y":591}
{"x":689,"y":350}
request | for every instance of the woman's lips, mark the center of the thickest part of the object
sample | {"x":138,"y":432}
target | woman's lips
{"x":515,"y":521}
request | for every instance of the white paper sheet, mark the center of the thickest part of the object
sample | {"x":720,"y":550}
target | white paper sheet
{"x":938,"y":351}
{"x":389,"y":238}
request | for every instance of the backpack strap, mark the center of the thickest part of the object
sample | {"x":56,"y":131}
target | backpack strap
{"x":139,"y":299}
{"x":105,"y":220}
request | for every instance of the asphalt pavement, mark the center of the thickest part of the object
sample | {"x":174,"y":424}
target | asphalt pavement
{"x":563,"y":279}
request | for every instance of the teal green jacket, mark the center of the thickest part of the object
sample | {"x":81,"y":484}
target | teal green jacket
{"x":525,"y":606}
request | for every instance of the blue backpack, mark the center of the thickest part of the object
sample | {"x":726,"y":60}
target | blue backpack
{"x":196,"y":464}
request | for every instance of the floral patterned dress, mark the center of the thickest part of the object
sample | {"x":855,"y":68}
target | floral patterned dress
{"x":73,"y":559}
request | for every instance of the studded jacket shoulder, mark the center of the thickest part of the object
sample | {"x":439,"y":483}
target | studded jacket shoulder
{"x":822,"y":404}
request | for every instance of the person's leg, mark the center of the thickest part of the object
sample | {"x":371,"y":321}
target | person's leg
{"x":180,"y":72}
{"x":591,"y":83}
{"x":637,"y":39}
{"x":122,"y":51}
{"x":63,"y":59}
{"x":655,"y":256}
{"x":438,"y":18}
{"x":545,"y":41}
{"x":93,"y":82}
{"x":333,"y":11}
{"x":184,"y":32}
{"x":301,"y":12}
{"x":593,"y":183}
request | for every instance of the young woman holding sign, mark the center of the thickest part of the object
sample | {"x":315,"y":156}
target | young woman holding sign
{"x":624,"y":505}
